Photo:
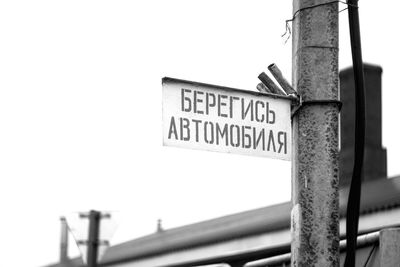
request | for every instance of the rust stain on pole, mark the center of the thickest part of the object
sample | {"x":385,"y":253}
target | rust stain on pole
{"x":315,"y":181}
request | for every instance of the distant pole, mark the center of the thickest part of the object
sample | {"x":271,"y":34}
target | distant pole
{"x":93,"y":238}
{"x":315,"y":181}
{"x":63,"y":240}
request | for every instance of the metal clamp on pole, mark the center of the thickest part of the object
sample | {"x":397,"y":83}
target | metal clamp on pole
{"x":315,"y":102}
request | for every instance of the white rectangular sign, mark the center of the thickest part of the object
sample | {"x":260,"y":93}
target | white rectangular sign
{"x":216,"y":118}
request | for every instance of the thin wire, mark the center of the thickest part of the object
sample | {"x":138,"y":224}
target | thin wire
{"x":369,"y":256}
{"x":288,"y":29}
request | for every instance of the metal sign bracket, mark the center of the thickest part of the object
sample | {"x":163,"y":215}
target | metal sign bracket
{"x":303,"y":103}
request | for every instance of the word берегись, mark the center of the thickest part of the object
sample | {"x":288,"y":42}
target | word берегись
{"x":207,"y":103}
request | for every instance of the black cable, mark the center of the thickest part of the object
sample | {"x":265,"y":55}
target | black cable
{"x":353,"y":204}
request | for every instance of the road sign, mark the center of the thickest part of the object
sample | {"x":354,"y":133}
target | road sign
{"x":222,"y":119}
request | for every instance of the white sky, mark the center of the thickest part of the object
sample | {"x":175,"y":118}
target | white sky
{"x":80,"y":111}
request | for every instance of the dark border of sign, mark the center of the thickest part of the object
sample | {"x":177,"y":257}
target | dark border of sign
{"x":224,"y":88}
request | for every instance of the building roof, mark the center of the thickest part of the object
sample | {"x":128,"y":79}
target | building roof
{"x":377,"y":195}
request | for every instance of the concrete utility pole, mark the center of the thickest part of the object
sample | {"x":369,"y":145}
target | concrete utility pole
{"x":315,"y":181}
{"x":63,"y":240}
{"x":93,"y":238}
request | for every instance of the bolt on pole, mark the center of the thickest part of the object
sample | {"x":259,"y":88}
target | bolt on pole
{"x":315,"y":180}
